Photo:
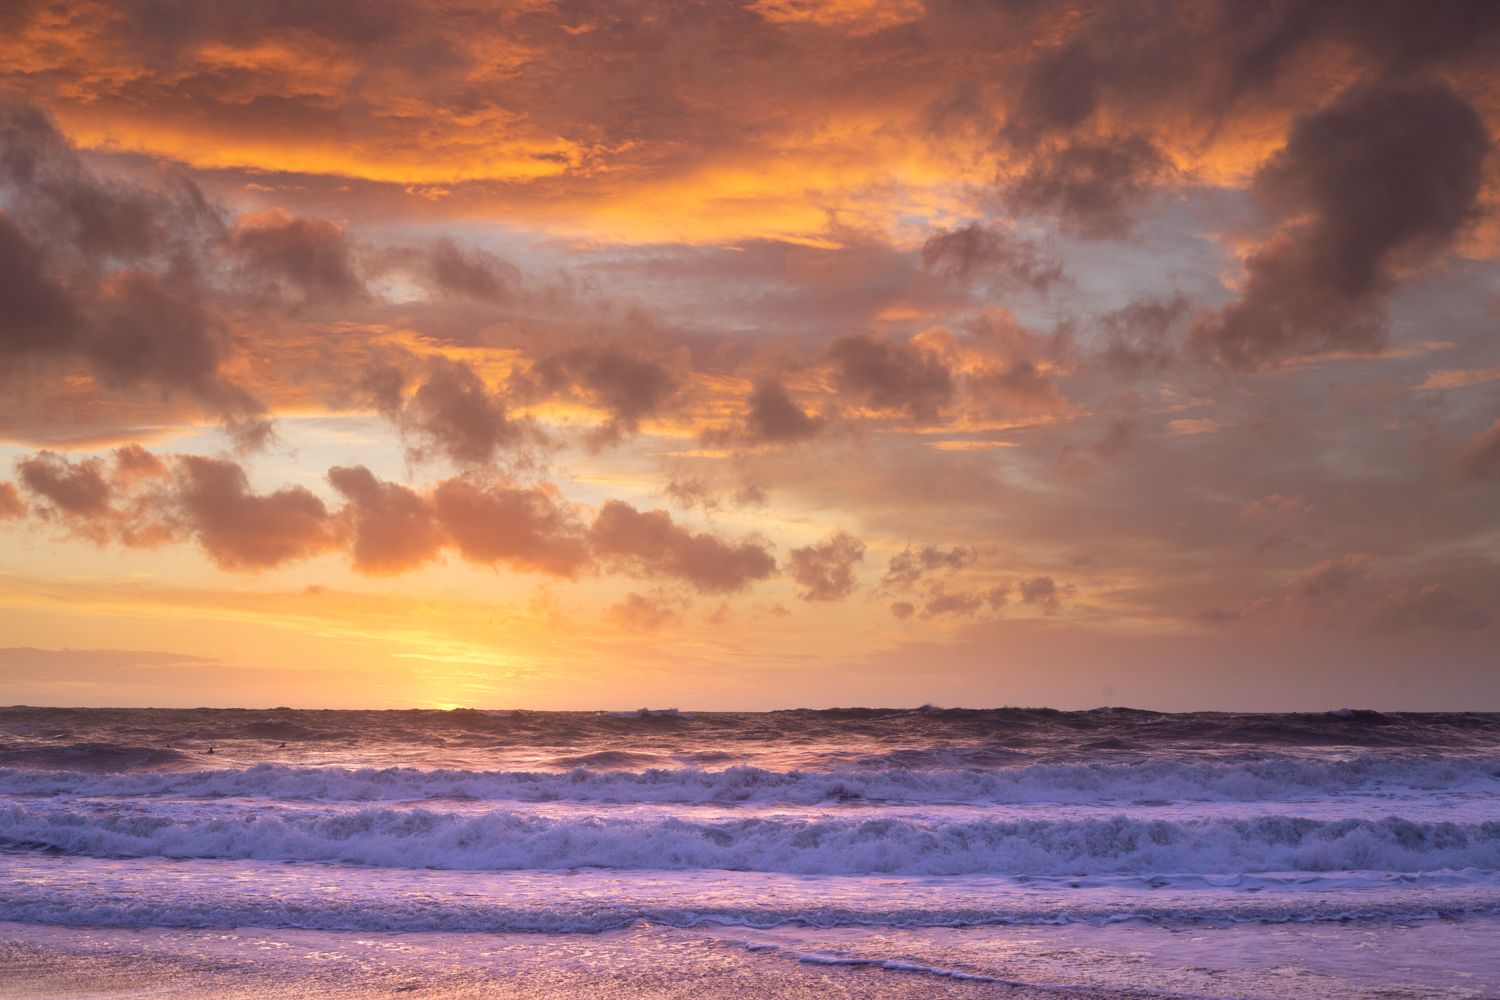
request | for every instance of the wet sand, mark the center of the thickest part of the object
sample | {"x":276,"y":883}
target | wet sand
{"x":1424,"y":960}
{"x":45,"y":962}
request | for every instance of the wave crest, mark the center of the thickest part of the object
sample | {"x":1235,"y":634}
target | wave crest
{"x":1074,"y":784}
{"x":507,"y":840}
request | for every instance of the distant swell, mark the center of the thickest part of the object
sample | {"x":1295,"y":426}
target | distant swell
{"x":1092,"y":784}
{"x":505,"y":840}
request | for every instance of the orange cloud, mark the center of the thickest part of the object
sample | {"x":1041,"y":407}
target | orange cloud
{"x":519,"y":109}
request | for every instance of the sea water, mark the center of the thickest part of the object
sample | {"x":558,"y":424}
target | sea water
{"x":1320,"y":855}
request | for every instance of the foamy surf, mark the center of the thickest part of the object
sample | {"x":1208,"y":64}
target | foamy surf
{"x":852,"y":843}
{"x":1152,"y":781}
{"x":116,"y":892}
{"x":873,"y":841}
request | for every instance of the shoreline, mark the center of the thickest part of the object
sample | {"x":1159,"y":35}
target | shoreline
{"x":1349,"y":961}
{"x":199,"y":892}
{"x":165,"y":963}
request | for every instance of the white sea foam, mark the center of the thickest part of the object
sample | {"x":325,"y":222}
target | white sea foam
{"x":195,"y":892}
{"x":902,"y":843}
{"x":919,"y":819}
{"x":1276,"y":779}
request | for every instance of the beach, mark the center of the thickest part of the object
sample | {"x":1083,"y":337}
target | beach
{"x":1121,"y":962}
{"x":661,"y":854}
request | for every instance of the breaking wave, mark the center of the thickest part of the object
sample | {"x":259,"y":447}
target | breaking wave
{"x":908,"y":845}
{"x":1276,"y":779}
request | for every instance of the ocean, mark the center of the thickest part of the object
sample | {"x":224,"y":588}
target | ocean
{"x":852,"y":852}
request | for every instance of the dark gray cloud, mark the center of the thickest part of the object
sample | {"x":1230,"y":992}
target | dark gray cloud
{"x":774,"y":418}
{"x":1081,"y":113}
{"x":909,"y":565}
{"x":891,"y":375}
{"x":1384,"y":178}
{"x":651,"y":544}
{"x":1043,"y":592}
{"x":109,"y":274}
{"x":939,"y":601}
{"x":1135,"y":51}
{"x":478,"y":274}
{"x":993,"y":255}
{"x":825,"y":570}
{"x":452,"y":413}
{"x":156,"y":331}
{"x":693,"y":491}
{"x":37,"y":316}
{"x":942,"y":602}
{"x":1094,"y":186}
{"x":1133,"y":55}
{"x":630,"y":386}
{"x":141,"y":283}
{"x":699,"y":492}
{"x":78,"y":490}
{"x":86,"y":220}
{"x":310,"y":257}
{"x":1140,"y":337}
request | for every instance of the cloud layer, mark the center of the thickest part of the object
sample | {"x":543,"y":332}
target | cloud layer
{"x":863,"y":326}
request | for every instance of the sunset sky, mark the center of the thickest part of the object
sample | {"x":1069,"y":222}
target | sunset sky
{"x":750,"y":355}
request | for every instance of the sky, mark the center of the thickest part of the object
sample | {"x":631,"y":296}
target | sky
{"x":750,"y":355}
